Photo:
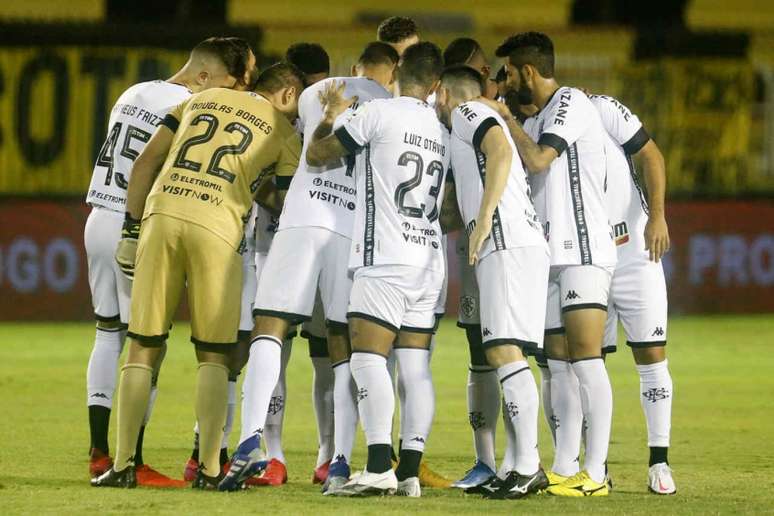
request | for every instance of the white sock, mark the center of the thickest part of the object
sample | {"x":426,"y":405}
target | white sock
{"x":345,"y":410}
{"x":376,"y":401}
{"x":507,"y":464}
{"x":230,"y":409}
{"x":545,"y":399}
{"x":568,"y":417}
{"x":322,"y":396}
{"x":483,"y":408}
{"x":521,"y":404}
{"x":597,"y":401}
{"x":418,"y":402}
{"x":275,"y":417}
{"x":261,"y":375}
{"x":151,"y":403}
{"x":102,"y":372}
{"x":656,"y":399}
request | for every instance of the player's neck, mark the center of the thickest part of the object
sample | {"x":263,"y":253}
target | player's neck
{"x":543,"y":92}
{"x":416,"y":92}
{"x":183,"y":79}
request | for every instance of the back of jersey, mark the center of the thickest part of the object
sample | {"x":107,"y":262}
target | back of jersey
{"x":400,"y":177}
{"x":325,"y":196}
{"x":134,"y":118}
{"x":226,"y":143}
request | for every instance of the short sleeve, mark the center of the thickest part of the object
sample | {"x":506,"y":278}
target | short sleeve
{"x":172,"y":119}
{"x":360,"y":129}
{"x":565,"y":120}
{"x":623,"y":126}
{"x":287,"y":163}
{"x":471,"y":122}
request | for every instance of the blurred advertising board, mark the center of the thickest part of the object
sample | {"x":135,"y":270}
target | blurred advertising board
{"x":722,"y":259}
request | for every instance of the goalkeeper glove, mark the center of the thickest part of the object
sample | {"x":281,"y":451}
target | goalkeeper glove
{"x":127,"y":246}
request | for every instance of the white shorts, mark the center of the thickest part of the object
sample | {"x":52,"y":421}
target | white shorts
{"x":638,"y":298}
{"x":249,"y":287}
{"x":512,"y":281}
{"x":398,"y":297}
{"x":110,"y":289}
{"x":468,"y":313}
{"x":575,"y":287}
{"x":300,"y":261}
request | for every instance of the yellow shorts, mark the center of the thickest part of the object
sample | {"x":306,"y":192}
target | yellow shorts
{"x":172,"y":252}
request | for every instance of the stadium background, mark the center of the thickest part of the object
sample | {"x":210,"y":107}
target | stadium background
{"x":699,"y":75}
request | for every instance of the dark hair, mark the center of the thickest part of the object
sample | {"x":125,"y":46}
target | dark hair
{"x":532,"y":48}
{"x":460,"y":51}
{"x":396,"y":29}
{"x":421,"y":64}
{"x":279,"y":75}
{"x":502,"y":74}
{"x":310,"y":58}
{"x":377,"y":52}
{"x":456,"y":76}
{"x":233,"y":52}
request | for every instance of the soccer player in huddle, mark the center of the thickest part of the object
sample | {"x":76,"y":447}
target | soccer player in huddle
{"x":399,"y":32}
{"x":511,"y":260}
{"x":309,"y":253}
{"x":563,"y":145}
{"x":638,"y":291}
{"x":138,"y":112}
{"x":397,"y":261}
{"x":190,"y":193}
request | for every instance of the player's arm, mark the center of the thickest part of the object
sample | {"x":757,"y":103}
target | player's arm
{"x":145,"y":169}
{"x":498,"y":154}
{"x":654,"y":171}
{"x":326,"y":147}
{"x":450,"y":219}
{"x":536,"y":157}
{"x":271,"y":194}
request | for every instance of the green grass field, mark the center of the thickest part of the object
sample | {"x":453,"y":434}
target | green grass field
{"x":722,"y":449}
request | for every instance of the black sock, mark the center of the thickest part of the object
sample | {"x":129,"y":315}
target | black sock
{"x":223,"y":456}
{"x":99,"y":419}
{"x":379,"y":458}
{"x":138,"y":450}
{"x":408,"y":466}
{"x":658,"y":454}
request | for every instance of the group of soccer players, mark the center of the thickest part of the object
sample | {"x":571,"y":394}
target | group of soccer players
{"x":285,"y":197}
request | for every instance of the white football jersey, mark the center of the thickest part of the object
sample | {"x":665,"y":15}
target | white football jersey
{"x":626,"y":202}
{"x":133,"y":120}
{"x":325,"y":196}
{"x":400,"y":171}
{"x":515,"y":223}
{"x":569,"y":197}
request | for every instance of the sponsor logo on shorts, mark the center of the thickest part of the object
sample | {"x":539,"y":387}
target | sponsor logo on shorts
{"x":468,"y":306}
{"x":571,"y":296}
{"x":512,"y":410}
{"x":658,"y":332}
{"x":362,"y":394}
{"x":191,"y":193}
{"x":99,"y":395}
{"x":486,"y":333}
{"x":418,"y":439}
{"x":621,"y":233}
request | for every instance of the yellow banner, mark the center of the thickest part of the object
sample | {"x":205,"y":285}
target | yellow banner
{"x":54,"y":108}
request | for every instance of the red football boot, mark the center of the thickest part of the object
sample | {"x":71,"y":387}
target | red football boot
{"x":275,"y":474}
{"x":149,"y":477}
{"x":321,"y":473}
{"x":99,"y":462}
{"x":191,"y":468}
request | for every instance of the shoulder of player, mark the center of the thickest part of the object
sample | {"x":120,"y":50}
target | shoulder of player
{"x":472,"y":114}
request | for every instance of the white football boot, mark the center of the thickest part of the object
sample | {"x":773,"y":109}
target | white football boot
{"x":409,"y":487}
{"x":370,"y":484}
{"x":660,"y":479}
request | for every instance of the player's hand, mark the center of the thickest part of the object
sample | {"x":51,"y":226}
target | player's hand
{"x":126,"y":252}
{"x":478,"y":236}
{"x":656,"y":237}
{"x":333,"y":101}
{"x":499,"y":107}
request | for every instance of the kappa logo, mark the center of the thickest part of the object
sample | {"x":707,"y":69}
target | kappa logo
{"x":656,"y":394}
{"x":658,"y":332}
{"x":418,"y":439}
{"x":362,"y":394}
{"x":477,"y":420}
{"x":486,"y":333}
{"x":512,"y":409}
{"x":276,"y":405}
{"x":99,"y":395}
{"x":571,"y":295}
